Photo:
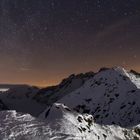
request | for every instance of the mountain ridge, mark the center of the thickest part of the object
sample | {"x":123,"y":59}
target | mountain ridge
{"x":94,"y":106}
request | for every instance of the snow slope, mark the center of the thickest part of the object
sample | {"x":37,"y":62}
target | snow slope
{"x":62,"y":124}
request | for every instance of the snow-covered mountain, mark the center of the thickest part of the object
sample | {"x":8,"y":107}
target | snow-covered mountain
{"x":33,"y":100}
{"x":92,"y":106}
{"x":112,"y":96}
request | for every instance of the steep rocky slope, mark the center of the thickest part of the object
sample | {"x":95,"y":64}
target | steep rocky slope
{"x":50,"y":95}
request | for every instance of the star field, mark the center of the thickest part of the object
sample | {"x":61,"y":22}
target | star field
{"x":43,"y":41}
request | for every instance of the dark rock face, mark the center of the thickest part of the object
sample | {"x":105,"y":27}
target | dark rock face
{"x":3,"y":106}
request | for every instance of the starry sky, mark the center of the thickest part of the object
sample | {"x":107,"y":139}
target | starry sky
{"x":44,"y":41}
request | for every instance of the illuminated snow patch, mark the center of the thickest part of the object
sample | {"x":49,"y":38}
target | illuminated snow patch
{"x":4,"y":89}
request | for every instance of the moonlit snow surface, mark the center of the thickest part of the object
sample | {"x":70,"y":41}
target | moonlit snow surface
{"x":68,"y":125}
{"x":3,"y":89}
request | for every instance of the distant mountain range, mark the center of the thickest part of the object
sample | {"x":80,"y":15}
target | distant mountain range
{"x":91,"y":106}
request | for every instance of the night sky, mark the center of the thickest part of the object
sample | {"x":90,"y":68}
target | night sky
{"x":43,"y":41}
